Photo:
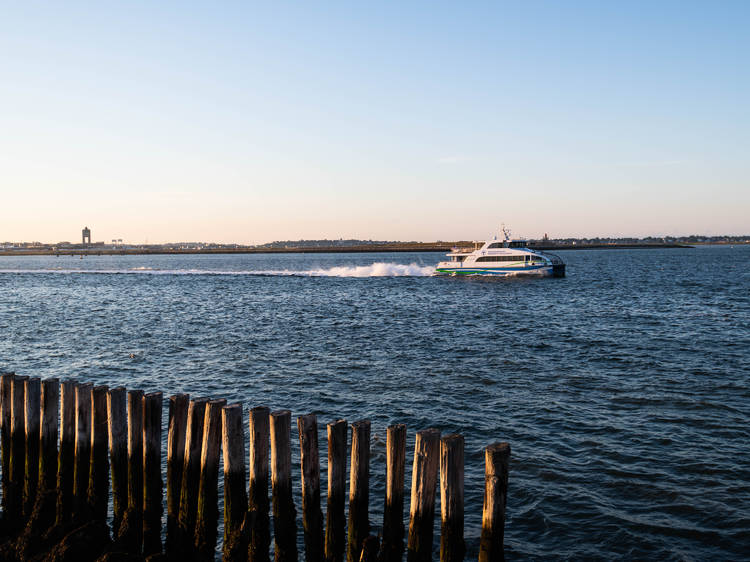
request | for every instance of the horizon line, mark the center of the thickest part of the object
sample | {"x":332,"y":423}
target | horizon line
{"x":123,"y":242}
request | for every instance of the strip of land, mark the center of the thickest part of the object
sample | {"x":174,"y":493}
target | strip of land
{"x":364,"y":248}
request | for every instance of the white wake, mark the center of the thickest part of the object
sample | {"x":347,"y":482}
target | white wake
{"x":378,"y":269}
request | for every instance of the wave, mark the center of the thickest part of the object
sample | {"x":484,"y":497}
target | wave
{"x":378,"y":269}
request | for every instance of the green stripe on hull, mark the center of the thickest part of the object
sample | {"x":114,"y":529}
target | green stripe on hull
{"x":497,"y":271}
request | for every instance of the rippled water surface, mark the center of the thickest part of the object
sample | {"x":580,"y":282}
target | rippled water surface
{"x":622,"y":388}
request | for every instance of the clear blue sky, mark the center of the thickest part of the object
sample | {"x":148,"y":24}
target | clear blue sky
{"x":250,"y":123}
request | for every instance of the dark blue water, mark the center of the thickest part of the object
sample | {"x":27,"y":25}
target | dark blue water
{"x":622,"y":388}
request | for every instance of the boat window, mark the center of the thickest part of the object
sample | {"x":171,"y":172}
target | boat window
{"x":517,"y":244}
{"x":496,"y":245}
{"x":500,"y":258}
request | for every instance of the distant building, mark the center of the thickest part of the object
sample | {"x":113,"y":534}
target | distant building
{"x":86,"y":235}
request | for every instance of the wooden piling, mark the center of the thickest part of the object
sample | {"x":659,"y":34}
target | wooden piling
{"x":312,"y":516}
{"x":14,"y":514}
{"x":191,"y":474}
{"x":6,"y":400}
{"x":98,"y":486}
{"x":207,"y":515}
{"x":152,"y":485}
{"x":359,"y":490}
{"x":90,"y":418}
{"x":423,"y":484}
{"x":336,"y":505}
{"x":117,"y":415}
{"x":81,"y":463}
{"x":41,"y":505}
{"x":496,"y":459}
{"x":235,"y":496}
{"x":258,"y":505}
{"x":452,"y":548}
{"x":66,"y":453}
{"x":48,"y":434}
{"x":178,"y":412}
{"x":32,"y":403}
{"x":284,"y":514}
{"x":134,"y":514}
{"x":392,"y":549}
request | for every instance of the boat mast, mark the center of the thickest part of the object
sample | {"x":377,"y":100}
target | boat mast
{"x":505,"y":231}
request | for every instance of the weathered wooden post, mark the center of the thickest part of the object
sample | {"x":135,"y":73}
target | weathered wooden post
{"x":496,"y":461}
{"x":359,"y":490}
{"x":191,"y":473}
{"x":392,"y":549}
{"x":6,"y":392}
{"x":66,"y":453}
{"x":452,"y":548}
{"x":423,"y":484}
{"x":81,"y":464}
{"x":48,"y":435}
{"x":14,"y":514}
{"x":207,"y":515}
{"x":32,"y":403}
{"x":284,"y":514}
{"x":258,"y":505}
{"x":98,"y":486}
{"x":336,"y":505}
{"x":132,"y":524}
{"x":178,"y":412}
{"x":235,"y":496}
{"x":43,"y":511}
{"x":312,"y":516}
{"x":152,"y":485}
{"x":117,"y":415}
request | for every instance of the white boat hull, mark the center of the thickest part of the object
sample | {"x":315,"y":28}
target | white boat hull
{"x":537,"y":270}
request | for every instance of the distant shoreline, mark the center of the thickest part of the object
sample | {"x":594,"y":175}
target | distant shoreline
{"x":369,"y":248}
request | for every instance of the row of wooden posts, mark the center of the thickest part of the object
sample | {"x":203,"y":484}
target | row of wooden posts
{"x":113,"y":437}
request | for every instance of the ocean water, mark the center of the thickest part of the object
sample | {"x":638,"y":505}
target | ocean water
{"x":622,"y":388}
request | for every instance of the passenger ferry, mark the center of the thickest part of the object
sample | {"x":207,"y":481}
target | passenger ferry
{"x":503,"y":258}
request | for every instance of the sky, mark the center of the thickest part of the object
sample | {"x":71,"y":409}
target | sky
{"x":244,"y":122}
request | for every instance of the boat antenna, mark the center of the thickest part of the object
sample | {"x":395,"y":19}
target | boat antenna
{"x":506,"y":232}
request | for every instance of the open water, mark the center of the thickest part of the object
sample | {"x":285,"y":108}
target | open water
{"x":622,"y":388}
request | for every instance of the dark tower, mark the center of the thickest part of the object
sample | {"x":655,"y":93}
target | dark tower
{"x":86,"y":235}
